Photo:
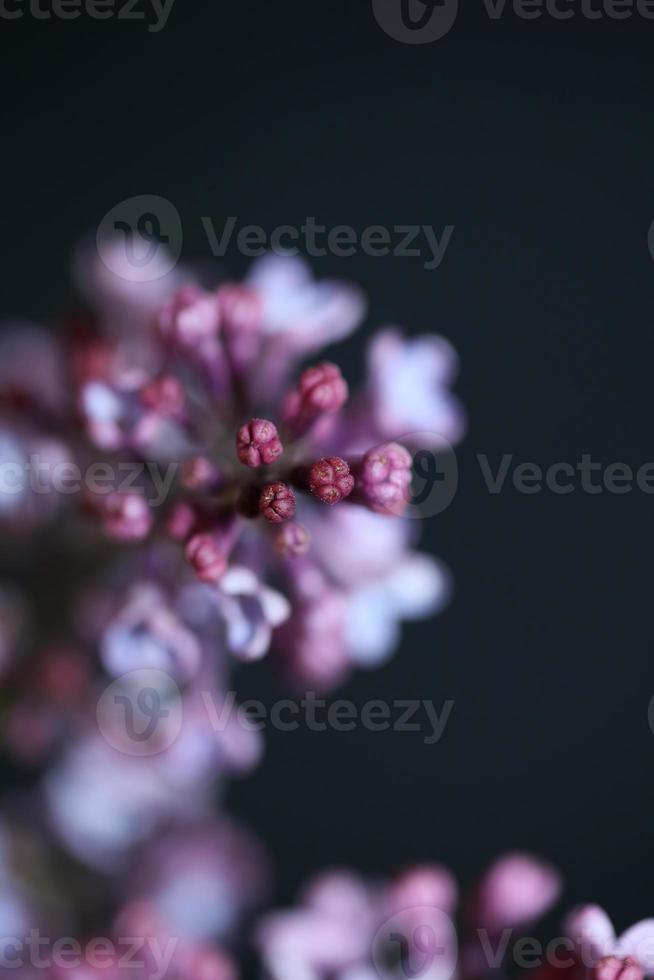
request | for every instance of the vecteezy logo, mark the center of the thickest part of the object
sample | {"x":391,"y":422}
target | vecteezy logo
{"x":435,"y":474}
{"x":140,"y":239}
{"x":650,"y":239}
{"x":416,"y":21}
{"x":140,"y":713}
{"x":416,"y":943}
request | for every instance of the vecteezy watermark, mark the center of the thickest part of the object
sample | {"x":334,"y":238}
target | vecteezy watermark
{"x":149,"y":955}
{"x":421,"y":942}
{"x":140,"y":239}
{"x":320,"y":715}
{"x":585,"y":475}
{"x":415,"y":942}
{"x":141,"y":714}
{"x":42,"y":476}
{"x":416,"y":21}
{"x":154,"y":13}
{"x":650,"y":239}
{"x":342,"y":241}
{"x":425,"y":21}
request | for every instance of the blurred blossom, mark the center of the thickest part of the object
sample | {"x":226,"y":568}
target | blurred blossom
{"x":251,"y":502}
{"x":591,"y":929}
{"x":346,"y":927}
{"x":147,"y":633}
{"x":515,"y":891}
{"x":410,"y":386}
{"x":303,"y":314}
{"x":197,"y":880}
{"x":101,"y":802}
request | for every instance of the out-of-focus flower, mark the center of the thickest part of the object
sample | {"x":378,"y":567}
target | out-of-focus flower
{"x":148,"y":634}
{"x":515,"y":891}
{"x":251,"y":612}
{"x":593,"y":933}
{"x":409,"y":387}
{"x":346,"y":927}
{"x":197,"y":880}
{"x":301,"y":314}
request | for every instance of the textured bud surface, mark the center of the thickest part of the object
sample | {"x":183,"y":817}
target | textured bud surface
{"x":258,"y":443}
{"x":330,"y":480}
{"x":277,"y":502}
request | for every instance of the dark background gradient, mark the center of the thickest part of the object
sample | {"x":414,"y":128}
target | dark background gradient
{"x":534,"y":139}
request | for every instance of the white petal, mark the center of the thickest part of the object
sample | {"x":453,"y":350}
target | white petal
{"x":638,"y":941}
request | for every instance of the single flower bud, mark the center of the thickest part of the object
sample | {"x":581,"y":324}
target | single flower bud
{"x":241,"y":321}
{"x":384,"y":478}
{"x":322,"y":390}
{"x":206,"y":557}
{"x":258,"y":443}
{"x":191,"y":318}
{"x":291,"y":540}
{"x":330,"y":480}
{"x":277,"y":502}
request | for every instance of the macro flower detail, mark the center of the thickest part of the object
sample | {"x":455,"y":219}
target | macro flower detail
{"x":258,"y":443}
{"x":277,"y":502}
{"x":385,"y":478}
{"x":321,"y":390}
{"x":330,"y":480}
{"x":206,"y":557}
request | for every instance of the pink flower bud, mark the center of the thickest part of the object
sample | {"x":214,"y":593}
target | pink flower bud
{"x":204,"y":554}
{"x":126,"y":517}
{"x":258,"y":443}
{"x":384,"y":478}
{"x":164,"y":395}
{"x":241,"y":320}
{"x":330,"y":480}
{"x":277,"y":502}
{"x":516,"y":890}
{"x":322,"y":390}
{"x":292,"y":539}
{"x":616,"y":968}
{"x":191,"y":318}
{"x":424,"y":885}
{"x":240,"y":309}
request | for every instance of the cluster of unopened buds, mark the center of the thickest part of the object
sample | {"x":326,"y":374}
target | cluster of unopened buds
{"x":222,"y":440}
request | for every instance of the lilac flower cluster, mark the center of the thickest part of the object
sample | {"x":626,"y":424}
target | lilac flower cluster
{"x":243,"y":503}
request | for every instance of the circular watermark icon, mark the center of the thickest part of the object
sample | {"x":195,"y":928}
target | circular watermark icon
{"x":416,"y":21}
{"x":418,"y":943}
{"x":141,"y":713}
{"x":140,"y":239}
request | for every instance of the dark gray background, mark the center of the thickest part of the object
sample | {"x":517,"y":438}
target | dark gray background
{"x":535,"y":140}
